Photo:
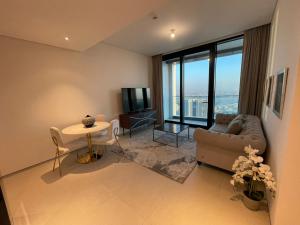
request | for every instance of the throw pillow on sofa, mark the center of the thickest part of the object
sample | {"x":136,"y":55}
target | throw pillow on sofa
{"x":222,"y":118}
{"x":241,"y":117}
{"x":235,"y":127}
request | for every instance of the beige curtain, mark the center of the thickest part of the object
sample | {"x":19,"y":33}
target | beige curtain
{"x":157,"y":87}
{"x":254,"y":67}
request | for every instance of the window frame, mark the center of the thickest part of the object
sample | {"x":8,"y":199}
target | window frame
{"x":212,"y":48}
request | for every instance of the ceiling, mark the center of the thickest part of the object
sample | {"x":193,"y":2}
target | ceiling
{"x":194,"y":21}
{"x":85,"y":22}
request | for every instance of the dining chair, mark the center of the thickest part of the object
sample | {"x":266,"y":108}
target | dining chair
{"x":111,"y":137}
{"x":100,"y":118}
{"x":60,"y":147}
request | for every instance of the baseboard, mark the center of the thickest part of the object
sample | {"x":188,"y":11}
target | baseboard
{"x":37,"y":164}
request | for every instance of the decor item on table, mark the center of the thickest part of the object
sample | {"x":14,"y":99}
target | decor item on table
{"x":281,"y":80}
{"x":251,"y":172}
{"x":88,"y":121}
{"x":269,"y":88}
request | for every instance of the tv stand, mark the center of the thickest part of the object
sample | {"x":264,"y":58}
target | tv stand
{"x":135,"y":120}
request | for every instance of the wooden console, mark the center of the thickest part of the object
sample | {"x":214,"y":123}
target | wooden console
{"x":136,"y":120}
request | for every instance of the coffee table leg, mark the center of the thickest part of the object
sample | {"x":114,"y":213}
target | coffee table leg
{"x":188,"y":132}
{"x":176,"y":140}
{"x":153,"y":135}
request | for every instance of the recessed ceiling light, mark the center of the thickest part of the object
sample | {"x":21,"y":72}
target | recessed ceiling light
{"x":153,"y":16}
{"x":172,"y":35}
{"x":67,"y":38}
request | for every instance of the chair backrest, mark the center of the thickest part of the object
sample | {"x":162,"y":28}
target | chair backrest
{"x":114,"y":128}
{"x":56,"y":136}
{"x":100,"y":118}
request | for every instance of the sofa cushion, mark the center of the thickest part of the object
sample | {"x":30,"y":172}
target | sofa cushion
{"x":252,"y":126}
{"x":241,"y":117}
{"x":235,"y":127}
{"x":220,"y":128}
{"x":222,"y":118}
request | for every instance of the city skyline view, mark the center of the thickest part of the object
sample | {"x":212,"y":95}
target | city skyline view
{"x":227,"y":78}
{"x":196,"y":81}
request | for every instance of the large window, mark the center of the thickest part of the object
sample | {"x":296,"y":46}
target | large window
{"x":196,"y":84}
{"x":202,"y":81}
{"x":171,"y":89}
{"x":227,"y":76}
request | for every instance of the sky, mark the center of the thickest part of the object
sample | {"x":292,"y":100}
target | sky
{"x":228,"y":70}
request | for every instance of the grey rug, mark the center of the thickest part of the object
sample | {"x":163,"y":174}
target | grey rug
{"x":172,"y":162}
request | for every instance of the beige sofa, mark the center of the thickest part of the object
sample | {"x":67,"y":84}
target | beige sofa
{"x":220,"y":149}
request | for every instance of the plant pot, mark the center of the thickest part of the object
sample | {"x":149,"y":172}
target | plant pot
{"x":252,"y":203}
{"x":88,"y":121}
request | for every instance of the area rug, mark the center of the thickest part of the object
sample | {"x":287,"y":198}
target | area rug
{"x":172,"y":162}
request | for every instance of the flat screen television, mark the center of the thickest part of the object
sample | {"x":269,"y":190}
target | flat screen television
{"x":136,"y":99}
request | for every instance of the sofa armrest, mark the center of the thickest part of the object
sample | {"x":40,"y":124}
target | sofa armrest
{"x":229,"y":142}
{"x":222,"y":118}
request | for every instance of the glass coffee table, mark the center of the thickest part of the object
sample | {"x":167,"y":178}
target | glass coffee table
{"x":171,"y":128}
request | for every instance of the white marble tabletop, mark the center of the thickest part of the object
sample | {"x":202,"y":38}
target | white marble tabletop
{"x":81,"y":129}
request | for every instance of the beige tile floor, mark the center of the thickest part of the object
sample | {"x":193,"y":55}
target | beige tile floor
{"x":114,"y":191}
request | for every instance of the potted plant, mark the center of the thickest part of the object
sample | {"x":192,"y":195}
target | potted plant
{"x":251,"y":173}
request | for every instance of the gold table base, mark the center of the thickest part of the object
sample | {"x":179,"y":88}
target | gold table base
{"x":86,"y":158}
{"x":90,"y":156}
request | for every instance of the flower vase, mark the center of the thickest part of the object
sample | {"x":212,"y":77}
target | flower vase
{"x":88,"y":121}
{"x":252,"y":203}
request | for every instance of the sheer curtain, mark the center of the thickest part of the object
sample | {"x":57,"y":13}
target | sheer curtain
{"x":254,"y":67}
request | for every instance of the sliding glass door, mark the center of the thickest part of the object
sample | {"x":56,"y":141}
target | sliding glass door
{"x":227,"y":76}
{"x":196,"y":85}
{"x":171,"y":89}
{"x":202,"y":81}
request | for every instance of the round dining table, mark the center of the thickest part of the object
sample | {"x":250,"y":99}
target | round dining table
{"x":80,"y":129}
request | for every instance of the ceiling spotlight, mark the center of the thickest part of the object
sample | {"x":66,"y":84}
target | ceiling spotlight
{"x":153,"y":16}
{"x":172,"y":35}
{"x":67,"y":38}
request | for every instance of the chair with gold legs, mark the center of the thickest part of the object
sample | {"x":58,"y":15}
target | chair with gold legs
{"x":100,"y":118}
{"x":60,"y":147}
{"x":111,"y":137}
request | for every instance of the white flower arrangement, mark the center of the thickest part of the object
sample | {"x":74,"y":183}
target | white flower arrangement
{"x":250,"y":170}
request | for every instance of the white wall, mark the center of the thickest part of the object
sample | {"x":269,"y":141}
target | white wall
{"x":43,"y":86}
{"x":283,"y":134}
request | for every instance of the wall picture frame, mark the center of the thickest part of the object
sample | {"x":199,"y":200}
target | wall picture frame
{"x":279,"y":92}
{"x":269,"y":88}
